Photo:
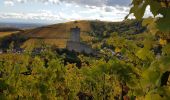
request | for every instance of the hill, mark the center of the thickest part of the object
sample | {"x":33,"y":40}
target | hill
{"x":17,"y":25}
{"x":61,"y":30}
{"x":58,"y":34}
{"x":9,"y":29}
{"x":6,"y":31}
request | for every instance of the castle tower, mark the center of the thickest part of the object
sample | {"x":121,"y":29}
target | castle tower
{"x":74,"y":44}
{"x":75,"y":34}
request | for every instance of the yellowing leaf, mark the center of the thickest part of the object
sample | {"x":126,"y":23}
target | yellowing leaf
{"x":117,"y":50}
{"x":163,"y":4}
{"x":162,"y":42}
{"x":147,"y":21}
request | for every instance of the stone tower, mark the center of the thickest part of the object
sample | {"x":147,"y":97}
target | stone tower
{"x":74,"y":44}
{"x":75,"y":34}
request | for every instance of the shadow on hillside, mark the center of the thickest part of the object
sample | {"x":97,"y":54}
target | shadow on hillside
{"x":18,"y":39}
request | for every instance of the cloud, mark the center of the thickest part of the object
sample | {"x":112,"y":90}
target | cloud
{"x":105,"y":10}
{"x":89,"y":9}
{"x":118,"y":2}
{"x":40,"y":15}
{"x":9,"y":3}
{"x":26,"y":1}
{"x":106,"y":13}
{"x":89,"y":2}
{"x":108,"y":9}
{"x":98,"y":3}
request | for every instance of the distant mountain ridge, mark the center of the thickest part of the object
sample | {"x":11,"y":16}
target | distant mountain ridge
{"x":20,"y":25}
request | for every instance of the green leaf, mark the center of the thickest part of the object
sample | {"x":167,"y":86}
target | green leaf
{"x":138,"y":92}
{"x":2,"y":97}
{"x":154,"y":7}
{"x":165,"y":64}
{"x":3,"y":85}
{"x":166,"y":50}
{"x":43,"y":88}
{"x":150,"y":77}
{"x":164,"y":91}
{"x":139,"y":10}
{"x":153,"y":97}
{"x":145,"y":54}
{"x":163,"y":24}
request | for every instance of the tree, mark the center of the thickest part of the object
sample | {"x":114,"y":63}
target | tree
{"x":11,"y":46}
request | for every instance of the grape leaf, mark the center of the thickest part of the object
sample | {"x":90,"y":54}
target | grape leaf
{"x":163,"y":24}
{"x":154,"y":7}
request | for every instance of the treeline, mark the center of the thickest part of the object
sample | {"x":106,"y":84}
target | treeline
{"x":17,"y":39}
{"x":126,"y":27}
{"x":9,"y":29}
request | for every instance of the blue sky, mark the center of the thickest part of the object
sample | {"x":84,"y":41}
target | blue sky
{"x":56,"y":11}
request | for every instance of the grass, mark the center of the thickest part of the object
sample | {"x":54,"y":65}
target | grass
{"x":3,"y":34}
{"x":56,"y":34}
{"x":61,"y":30}
{"x":32,"y":43}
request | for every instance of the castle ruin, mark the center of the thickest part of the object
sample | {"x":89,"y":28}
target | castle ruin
{"x":74,"y":44}
{"x":75,"y":34}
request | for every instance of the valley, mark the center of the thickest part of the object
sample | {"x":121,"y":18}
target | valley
{"x":84,"y":50}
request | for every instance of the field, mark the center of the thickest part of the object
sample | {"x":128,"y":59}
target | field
{"x":56,"y":34}
{"x":31,"y":43}
{"x":61,"y":30}
{"x":3,"y":34}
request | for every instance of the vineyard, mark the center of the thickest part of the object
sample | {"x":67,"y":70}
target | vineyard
{"x":133,"y":63}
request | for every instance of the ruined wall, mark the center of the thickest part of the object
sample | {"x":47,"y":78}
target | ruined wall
{"x":74,"y":43}
{"x":79,"y":47}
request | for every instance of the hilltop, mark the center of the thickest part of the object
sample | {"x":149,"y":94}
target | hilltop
{"x":62,"y":30}
{"x":58,"y":34}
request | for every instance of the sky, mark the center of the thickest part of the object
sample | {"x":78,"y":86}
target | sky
{"x":57,"y":11}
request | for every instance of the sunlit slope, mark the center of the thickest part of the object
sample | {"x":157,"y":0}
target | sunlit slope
{"x":56,"y":34}
{"x":31,"y":43}
{"x":58,"y":30}
{"x":3,"y":34}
